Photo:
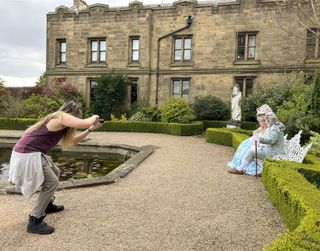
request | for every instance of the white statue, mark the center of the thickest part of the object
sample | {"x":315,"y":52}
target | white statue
{"x":235,"y":103}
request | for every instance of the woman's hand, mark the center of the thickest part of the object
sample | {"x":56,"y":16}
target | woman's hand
{"x":95,"y":125}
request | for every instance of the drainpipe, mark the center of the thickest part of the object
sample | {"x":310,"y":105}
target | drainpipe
{"x":189,"y":22}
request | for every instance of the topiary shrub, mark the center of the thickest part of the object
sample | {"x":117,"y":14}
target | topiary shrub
{"x":210,"y":108}
{"x":176,"y":110}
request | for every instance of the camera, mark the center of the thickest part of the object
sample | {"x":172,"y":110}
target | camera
{"x":101,"y":121}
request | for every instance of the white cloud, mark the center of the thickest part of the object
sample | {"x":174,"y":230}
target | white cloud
{"x":11,"y":81}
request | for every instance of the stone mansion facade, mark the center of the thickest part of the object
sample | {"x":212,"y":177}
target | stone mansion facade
{"x":186,"y":49}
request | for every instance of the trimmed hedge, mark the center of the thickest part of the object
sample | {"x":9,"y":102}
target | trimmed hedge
{"x":246,"y":125}
{"x":249,"y":125}
{"x":226,"y":136}
{"x":153,"y":127}
{"x":16,"y":124}
{"x":214,"y":124}
{"x":293,"y":188}
{"x":298,"y":203}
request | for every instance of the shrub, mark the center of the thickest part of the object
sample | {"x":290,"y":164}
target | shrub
{"x":12,"y":107}
{"x":109,"y":95}
{"x":139,"y":116}
{"x":210,"y":108}
{"x":51,"y":97}
{"x":273,"y":94}
{"x":152,"y":112}
{"x":315,"y":139}
{"x":176,"y":110}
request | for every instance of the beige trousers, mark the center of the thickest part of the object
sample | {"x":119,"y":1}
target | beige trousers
{"x":49,"y":186}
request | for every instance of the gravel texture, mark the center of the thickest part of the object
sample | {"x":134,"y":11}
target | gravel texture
{"x":180,"y":198}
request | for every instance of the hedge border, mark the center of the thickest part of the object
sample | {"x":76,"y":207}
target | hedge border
{"x":194,"y":128}
{"x":290,"y":190}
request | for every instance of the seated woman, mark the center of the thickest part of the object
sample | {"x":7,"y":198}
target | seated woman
{"x":245,"y":146}
{"x":272,"y":144}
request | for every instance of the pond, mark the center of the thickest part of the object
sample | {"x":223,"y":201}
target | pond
{"x":73,"y":164}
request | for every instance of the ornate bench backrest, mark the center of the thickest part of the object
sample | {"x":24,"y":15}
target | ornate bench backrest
{"x":293,"y":150}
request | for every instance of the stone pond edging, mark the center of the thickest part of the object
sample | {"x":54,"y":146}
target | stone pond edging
{"x":141,"y":153}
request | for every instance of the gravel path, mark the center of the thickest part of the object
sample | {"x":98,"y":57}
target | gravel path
{"x":179,"y":198}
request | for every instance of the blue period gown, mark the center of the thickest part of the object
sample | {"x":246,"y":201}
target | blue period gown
{"x":236,"y":161}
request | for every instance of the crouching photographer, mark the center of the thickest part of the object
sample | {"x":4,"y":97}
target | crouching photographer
{"x":30,"y":166}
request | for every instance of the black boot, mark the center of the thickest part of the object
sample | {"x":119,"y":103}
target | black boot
{"x":52,"y":208}
{"x":37,"y":226}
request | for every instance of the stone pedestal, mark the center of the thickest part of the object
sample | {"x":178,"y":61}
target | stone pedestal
{"x":232,"y":124}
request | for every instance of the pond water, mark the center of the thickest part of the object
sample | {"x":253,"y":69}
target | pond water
{"x":73,"y":165}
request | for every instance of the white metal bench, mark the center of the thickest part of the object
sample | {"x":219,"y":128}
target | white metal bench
{"x":293,"y":150}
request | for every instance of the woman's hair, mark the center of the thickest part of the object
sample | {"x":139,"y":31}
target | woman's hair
{"x":70,"y":108}
{"x":272,"y":119}
{"x":261,"y":117}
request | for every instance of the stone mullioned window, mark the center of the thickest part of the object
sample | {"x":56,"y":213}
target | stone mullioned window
{"x":181,"y":88}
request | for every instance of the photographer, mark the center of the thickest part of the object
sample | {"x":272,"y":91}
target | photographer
{"x":31,"y":167}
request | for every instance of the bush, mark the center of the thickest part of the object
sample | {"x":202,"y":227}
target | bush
{"x":210,"y":108}
{"x":52,"y":96}
{"x":152,"y":112}
{"x":315,"y":139}
{"x":109,"y":95}
{"x":177,"y":111}
{"x":273,"y":94}
{"x":139,"y":116}
{"x":12,"y":107}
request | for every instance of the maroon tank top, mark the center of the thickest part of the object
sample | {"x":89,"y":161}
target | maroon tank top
{"x":40,"y":140}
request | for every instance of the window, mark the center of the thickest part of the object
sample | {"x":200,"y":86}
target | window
{"x":182,"y":49}
{"x":98,"y":51}
{"x":92,"y":85}
{"x":246,"y":46}
{"x":133,"y":91}
{"x":245,"y":84}
{"x":180,"y":88}
{"x":135,"y":47}
{"x":62,"y":51}
{"x":313,"y":42}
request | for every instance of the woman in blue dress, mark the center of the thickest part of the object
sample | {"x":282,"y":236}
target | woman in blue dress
{"x":246,"y":144}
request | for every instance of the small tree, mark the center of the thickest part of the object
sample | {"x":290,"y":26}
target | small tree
{"x":110,"y":93}
{"x":41,"y":80}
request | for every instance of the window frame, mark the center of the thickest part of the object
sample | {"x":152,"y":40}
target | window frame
{"x":246,"y":45}
{"x":243,"y":86}
{"x":132,"y":50}
{"x":182,"y":49}
{"x":181,"y":82}
{"x":98,"y":50}
{"x":316,"y":44}
{"x":59,"y":54}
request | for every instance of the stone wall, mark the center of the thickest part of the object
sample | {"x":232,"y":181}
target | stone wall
{"x":214,"y":37}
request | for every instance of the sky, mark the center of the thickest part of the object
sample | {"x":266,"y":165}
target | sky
{"x":23,"y":36}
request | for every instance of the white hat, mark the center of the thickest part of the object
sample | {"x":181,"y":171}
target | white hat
{"x":262,"y":110}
